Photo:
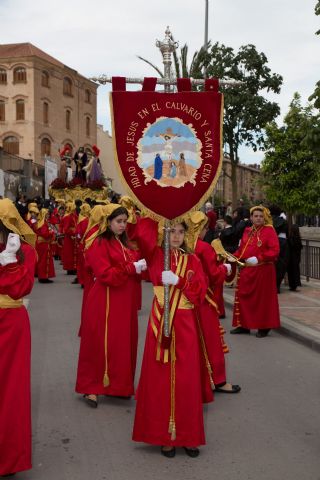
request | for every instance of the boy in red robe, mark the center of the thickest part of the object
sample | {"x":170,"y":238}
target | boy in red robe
{"x":256,"y":301}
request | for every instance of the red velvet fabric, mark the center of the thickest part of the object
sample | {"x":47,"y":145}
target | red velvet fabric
{"x":16,"y":280}
{"x":153,"y":393}
{"x":256,"y":300}
{"x":112,"y":266}
{"x":133,"y":112}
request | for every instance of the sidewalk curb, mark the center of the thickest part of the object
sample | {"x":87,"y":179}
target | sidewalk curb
{"x":290,"y":328}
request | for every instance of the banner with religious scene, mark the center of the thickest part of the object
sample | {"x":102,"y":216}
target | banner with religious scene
{"x":168,"y":145}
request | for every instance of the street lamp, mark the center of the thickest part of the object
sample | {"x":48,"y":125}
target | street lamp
{"x":206,"y":32}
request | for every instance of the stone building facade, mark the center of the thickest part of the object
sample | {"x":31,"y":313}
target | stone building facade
{"x":247,"y":180}
{"x":107,"y":158}
{"x":44,"y":104}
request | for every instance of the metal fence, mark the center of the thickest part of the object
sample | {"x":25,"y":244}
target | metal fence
{"x":310,"y":259}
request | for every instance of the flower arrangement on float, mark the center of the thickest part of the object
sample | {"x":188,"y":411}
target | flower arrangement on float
{"x":78,"y":188}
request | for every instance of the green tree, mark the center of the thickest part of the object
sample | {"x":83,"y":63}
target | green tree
{"x":247,"y":111}
{"x":316,"y":94}
{"x":290,"y":170}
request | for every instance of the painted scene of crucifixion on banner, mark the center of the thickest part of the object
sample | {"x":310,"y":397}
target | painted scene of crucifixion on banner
{"x":169,"y":152}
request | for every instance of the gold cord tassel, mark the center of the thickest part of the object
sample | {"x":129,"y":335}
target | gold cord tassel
{"x":205,"y":354}
{"x":172,"y":423}
{"x":106,"y":381}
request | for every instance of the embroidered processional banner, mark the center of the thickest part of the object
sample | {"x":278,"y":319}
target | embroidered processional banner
{"x":168,"y":145}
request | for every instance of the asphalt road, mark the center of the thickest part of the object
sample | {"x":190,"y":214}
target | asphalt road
{"x":269,"y":431}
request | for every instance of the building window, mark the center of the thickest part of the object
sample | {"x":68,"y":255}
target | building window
{"x":87,"y":96}
{"x":19,"y":75}
{"x":45,"y":79}
{"x":20,"y":110}
{"x":68,"y":120}
{"x":45,"y":147}
{"x":88,"y":126}
{"x":45,"y":113}
{"x":11,"y":145}
{"x":3,"y":76}
{"x":2,"y":111}
{"x":67,"y":87}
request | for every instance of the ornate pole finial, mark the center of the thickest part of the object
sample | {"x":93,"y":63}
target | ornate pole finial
{"x":167,"y":47}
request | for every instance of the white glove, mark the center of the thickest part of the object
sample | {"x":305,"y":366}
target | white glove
{"x":169,"y":278}
{"x":252,"y":261}
{"x":140,"y":265}
{"x":228,"y":267}
{"x":6,"y":258}
{"x":13,"y":243}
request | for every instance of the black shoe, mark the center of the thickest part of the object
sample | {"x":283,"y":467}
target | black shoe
{"x":75,"y":281}
{"x":92,"y":403}
{"x":7,"y":475}
{"x":262,"y":332}
{"x":192,"y":452}
{"x":71,"y":272}
{"x":168,"y":453}
{"x":240,"y":330}
{"x":234,"y":389}
{"x":45,"y":280}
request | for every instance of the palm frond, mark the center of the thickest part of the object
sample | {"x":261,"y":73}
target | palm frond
{"x":151,"y":65}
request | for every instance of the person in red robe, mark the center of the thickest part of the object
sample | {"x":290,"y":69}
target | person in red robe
{"x":45,"y":238}
{"x":32,"y":215}
{"x":169,"y":410}
{"x":17,"y":264}
{"x":109,"y":330}
{"x":68,"y":229}
{"x":82,"y":225}
{"x":256,"y":301}
{"x":208,"y":311}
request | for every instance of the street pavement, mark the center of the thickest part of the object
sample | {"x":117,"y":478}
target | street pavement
{"x":300,"y":312}
{"x":269,"y":431}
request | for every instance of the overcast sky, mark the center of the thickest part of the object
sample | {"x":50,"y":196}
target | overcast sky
{"x":102,"y":36}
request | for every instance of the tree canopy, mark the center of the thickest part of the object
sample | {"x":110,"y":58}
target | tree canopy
{"x":291,"y":170}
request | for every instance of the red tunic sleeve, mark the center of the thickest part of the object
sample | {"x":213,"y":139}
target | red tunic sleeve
{"x":216,"y":273}
{"x":44,"y":232}
{"x":16,"y":279}
{"x":194,"y":283}
{"x":145,"y":234}
{"x":103,"y":261}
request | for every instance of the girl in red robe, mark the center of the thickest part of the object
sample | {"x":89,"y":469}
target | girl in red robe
{"x":17,"y":264}
{"x":256,"y":301}
{"x":169,"y":409}
{"x":45,"y":238}
{"x":109,"y":330}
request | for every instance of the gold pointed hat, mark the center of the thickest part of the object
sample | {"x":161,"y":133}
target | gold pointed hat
{"x":99,"y":217}
{"x":42,"y":217}
{"x":11,"y":219}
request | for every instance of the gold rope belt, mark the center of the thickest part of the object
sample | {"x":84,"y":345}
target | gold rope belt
{"x":258,"y":264}
{"x":184,"y":303}
{"x":8,"y":302}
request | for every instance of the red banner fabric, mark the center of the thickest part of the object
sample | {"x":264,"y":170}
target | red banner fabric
{"x":168,"y":147}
